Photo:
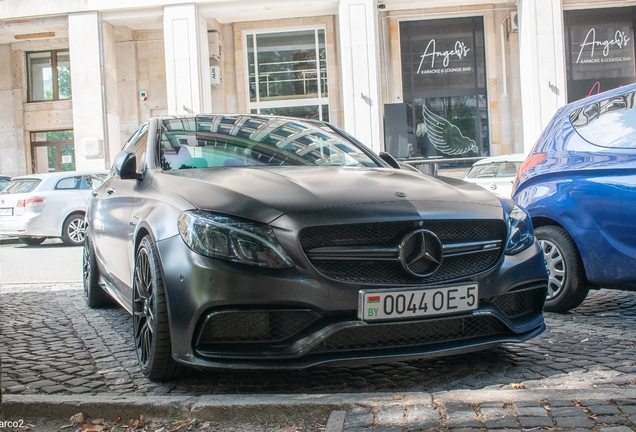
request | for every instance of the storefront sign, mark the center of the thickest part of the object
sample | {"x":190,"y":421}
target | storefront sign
{"x":444,"y":87}
{"x":431,"y":54}
{"x":594,"y":47}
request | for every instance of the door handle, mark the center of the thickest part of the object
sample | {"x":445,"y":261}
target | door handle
{"x":110,"y":190}
{"x":94,"y":193}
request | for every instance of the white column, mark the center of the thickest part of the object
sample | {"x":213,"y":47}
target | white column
{"x":359,"y":53}
{"x":187,"y":60}
{"x":542,"y":62}
{"x":88,"y":84}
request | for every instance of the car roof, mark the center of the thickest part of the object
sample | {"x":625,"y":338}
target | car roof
{"x":515,"y":157}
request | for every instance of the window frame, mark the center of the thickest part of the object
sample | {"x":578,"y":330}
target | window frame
{"x":57,"y":144}
{"x":54,"y":76}
{"x":321,"y":102}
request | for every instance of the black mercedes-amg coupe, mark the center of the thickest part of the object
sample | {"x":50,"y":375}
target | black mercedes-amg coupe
{"x":247,"y":241}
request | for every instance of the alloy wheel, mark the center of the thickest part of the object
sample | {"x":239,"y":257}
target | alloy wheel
{"x":77,"y":230}
{"x":555,"y":264}
{"x":144,"y":307}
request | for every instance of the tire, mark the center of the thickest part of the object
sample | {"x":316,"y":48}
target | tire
{"x":32,"y":241}
{"x":74,"y":230}
{"x":567,"y":284}
{"x":150,"y":316}
{"x":94,"y":295}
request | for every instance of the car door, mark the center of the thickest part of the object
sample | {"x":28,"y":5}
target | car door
{"x":113,"y":234}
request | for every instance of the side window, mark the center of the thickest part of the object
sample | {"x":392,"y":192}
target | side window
{"x":609,"y":123}
{"x":92,"y":182}
{"x":68,"y":183}
{"x":138,"y":144}
{"x":140,"y":152}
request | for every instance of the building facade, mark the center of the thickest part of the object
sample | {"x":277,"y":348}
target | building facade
{"x":416,"y":78}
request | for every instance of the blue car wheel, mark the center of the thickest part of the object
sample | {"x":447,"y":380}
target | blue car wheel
{"x":567,"y":285}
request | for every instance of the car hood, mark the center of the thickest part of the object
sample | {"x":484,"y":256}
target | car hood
{"x":265,"y":194}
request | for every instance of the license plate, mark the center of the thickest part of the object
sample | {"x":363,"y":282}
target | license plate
{"x":6,"y":212}
{"x":415,"y":303}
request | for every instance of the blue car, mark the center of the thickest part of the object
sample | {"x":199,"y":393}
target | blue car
{"x":579,"y":185}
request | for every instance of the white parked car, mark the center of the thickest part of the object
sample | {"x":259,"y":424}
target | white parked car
{"x":35,"y":207}
{"x":496,"y":173}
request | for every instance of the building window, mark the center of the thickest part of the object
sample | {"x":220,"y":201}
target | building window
{"x":52,"y":151}
{"x":599,"y":50}
{"x":287,"y":73}
{"x":444,"y":87}
{"x":49,"y":76}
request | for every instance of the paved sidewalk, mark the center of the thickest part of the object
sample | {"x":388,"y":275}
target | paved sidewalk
{"x":59,"y":358}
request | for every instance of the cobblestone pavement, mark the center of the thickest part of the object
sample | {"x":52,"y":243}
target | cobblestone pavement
{"x":606,"y":416}
{"x":52,"y":344}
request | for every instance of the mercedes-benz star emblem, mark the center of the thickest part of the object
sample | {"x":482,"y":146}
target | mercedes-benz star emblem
{"x":421,"y":253}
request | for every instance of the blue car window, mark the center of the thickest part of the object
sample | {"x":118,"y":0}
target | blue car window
{"x":609,"y":123}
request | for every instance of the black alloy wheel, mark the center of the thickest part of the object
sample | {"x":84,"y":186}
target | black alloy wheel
{"x":150,"y":316}
{"x":94,"y":295}
{"x":567,"y":284}
{"x":74,"y":230}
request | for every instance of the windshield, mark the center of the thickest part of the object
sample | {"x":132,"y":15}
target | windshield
{"x":21,"y":186}
{"x":231,"y":141}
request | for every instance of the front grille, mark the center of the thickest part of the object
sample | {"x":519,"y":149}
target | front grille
{"x":448,"y":231}
{"x":405,"y":335}
{"x":521,"y":302}
{"x":254,"y":326}
{"x":392,"y":272}
{"x":389,"y":235}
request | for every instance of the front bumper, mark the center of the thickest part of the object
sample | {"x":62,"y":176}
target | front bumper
{"x":230,"y":316}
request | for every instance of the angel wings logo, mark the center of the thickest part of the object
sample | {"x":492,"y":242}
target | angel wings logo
{"x":445,"y":136}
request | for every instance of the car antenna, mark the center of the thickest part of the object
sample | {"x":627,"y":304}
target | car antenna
{"x":34,"y":169}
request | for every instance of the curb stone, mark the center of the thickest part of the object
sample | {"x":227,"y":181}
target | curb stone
{"x":281,"y":407}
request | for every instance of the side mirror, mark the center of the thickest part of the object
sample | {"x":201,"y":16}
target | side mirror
{"x":389,"y":159}
{"x":126,"y":165}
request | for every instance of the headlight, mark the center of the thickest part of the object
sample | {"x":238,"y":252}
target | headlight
{"x":230,"y":239}
{"x":520,"y":232}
